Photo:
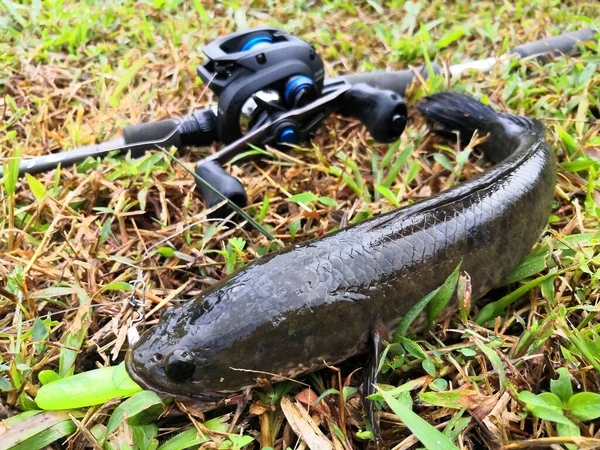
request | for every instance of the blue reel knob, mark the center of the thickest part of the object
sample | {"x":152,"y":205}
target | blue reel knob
{"x":288,"y":136}
{"x":297,"y":87}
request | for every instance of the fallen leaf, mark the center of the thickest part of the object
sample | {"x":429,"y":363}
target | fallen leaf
{"x":304,"y":426}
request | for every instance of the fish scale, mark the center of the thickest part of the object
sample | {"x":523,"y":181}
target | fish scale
{"x":291,"y":312}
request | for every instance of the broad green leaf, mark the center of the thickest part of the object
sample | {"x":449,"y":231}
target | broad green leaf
{"x":327,"y":201}
{"x":130,"y":407}
{"x":413,"y":348}
{"x":348,"y":391}
{"x":305,"y":197}
{"x":530,"y":265}
{"x":579,"y":165}
{"x":568,"y":430}
{"x":551,"y":399}
{"x":11,"y":421}
{"x":94,"y":387}
{"x":429,"y":436}
{"x":118,"y":286}
{"x":39,"y":333}
{"x":5,"y":384}
{"x":429,"y":367}
{"x":294,"y":227}
{"x":585,"y":406}
{"x":236,"y":442}
{"x":442,"y":160}
{"x":439,"y":384}
{"x":56,"y":291}
{"x":46,"y":437}
{"x":453,"y":430}
{"x":48,"y":376}
{"x":562,"y":387}
{"x":166,"y":251}
{"x":122,"y":380}
{"x":541,"y":409}
{"x":67,"y":356}
{"x":468,"y":352}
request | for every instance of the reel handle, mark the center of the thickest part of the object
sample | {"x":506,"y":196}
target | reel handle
{"x":226,"y":184}
{"x":383,"y":112}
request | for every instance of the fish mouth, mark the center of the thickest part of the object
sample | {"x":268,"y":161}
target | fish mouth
{"x":147,"y":385}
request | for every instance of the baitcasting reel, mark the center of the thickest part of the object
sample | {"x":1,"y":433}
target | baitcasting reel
{"x":258,"y":74}
{"x":271,"y":92}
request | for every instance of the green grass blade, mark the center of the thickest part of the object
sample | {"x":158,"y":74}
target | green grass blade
{"x":429,"y":436}
{"x":442,"y":297}
{"x":125,"y":80}
{"x":32,"y":432}
{"x":411,"y":315}
{"x":130,"y":407}
{"x":491,"y":310}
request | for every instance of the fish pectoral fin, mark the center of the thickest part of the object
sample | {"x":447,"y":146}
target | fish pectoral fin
{"x":369,"y":384}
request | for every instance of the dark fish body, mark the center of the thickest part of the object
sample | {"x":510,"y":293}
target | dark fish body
{"x":292,"y":311}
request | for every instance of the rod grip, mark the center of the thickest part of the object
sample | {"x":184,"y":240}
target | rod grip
{"x":147,"y":136}
{"x":198,"y":130}
{"x":394,"y":81}
{"x":545,"y":49}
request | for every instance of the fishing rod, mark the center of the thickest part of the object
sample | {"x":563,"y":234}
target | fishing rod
{"x":272,"y":91}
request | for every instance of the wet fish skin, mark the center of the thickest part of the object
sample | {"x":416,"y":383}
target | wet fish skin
{"x":291,"y":311}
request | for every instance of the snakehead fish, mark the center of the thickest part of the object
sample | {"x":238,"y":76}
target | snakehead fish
{"x":292,"y":311}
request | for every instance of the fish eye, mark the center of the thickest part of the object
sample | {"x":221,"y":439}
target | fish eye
{"x":179,"y":365}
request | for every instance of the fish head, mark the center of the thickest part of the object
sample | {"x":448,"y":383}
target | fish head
{"x":179,"y":359}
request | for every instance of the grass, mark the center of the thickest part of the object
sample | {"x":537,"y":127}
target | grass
{"x":71,"y":241}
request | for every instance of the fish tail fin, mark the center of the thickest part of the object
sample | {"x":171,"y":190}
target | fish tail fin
{"x":454,"y":111}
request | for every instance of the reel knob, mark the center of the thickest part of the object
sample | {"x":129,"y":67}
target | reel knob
{"x":300,"y":90}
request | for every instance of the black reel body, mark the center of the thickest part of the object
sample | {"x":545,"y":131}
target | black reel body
{"x":260,"y":60}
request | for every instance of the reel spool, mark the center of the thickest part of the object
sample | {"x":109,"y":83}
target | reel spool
{"x":259,"y":74}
